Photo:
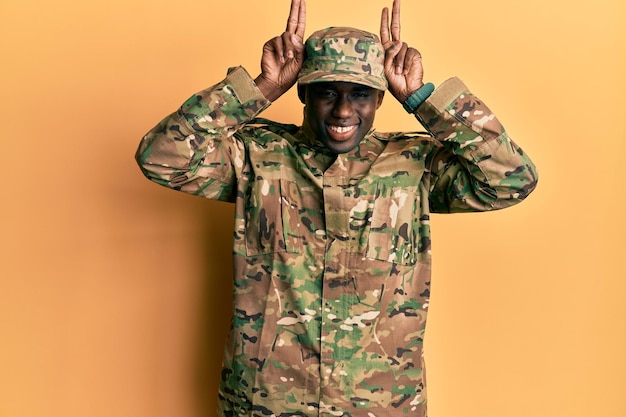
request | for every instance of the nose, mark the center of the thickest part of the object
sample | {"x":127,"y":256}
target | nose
{"x":343,"y":107}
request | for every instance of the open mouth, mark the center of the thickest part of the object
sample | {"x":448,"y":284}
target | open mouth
{"x":340,"y":133}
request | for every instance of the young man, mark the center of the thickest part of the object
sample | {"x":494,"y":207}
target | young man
{"x":332,"y":239}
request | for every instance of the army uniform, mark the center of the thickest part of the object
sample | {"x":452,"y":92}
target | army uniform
{"x":332,"y":253}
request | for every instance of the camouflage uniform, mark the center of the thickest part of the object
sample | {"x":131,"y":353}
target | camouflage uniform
{"x":332,"y":252}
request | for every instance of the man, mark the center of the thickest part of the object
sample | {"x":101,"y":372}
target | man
{"x":332,"y":239}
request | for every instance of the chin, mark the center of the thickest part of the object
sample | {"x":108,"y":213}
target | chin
{"x":342,"y":147}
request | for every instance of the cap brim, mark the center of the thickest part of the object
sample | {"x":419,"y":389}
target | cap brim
{"x":327,"y":76}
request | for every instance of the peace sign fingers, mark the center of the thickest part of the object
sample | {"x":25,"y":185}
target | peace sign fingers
{"x":390,"y":32}
{"x":395,"y":49}
{"x":297,"y":18}
{"x":403,"y":64}
{"x":283,"y":55}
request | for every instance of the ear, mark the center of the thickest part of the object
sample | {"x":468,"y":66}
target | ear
{"x":379,"y":101}
{"x":302,"y":93}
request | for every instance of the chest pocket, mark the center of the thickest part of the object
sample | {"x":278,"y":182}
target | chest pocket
{"x":272,"y":217}
{"x":395,"y":223}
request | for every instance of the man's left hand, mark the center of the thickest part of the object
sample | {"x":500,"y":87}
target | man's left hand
{"x":403,"y":64}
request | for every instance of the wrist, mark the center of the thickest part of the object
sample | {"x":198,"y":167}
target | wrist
{"x":267,"y":88}
{"x":418,"y":97}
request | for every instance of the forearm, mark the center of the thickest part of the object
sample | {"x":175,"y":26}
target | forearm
{"x":478,"y":167}
{"x":194,"y":146}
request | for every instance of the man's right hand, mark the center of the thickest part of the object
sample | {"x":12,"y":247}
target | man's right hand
{"x":283,"y":55}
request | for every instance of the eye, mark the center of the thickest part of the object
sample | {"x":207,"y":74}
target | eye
{"x":326,"y":93}
{"x":361,"y":94}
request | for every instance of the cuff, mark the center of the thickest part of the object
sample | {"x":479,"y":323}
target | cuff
{"x":418,"y":97}
{"x":243,"y":85}
{"x":446,"y":93}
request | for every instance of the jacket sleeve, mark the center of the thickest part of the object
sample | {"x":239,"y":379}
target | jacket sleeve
{"x":475,"y":165}
{"x":194,"y":149}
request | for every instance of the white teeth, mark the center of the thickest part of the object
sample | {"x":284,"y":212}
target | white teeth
{"x":341,"y":129}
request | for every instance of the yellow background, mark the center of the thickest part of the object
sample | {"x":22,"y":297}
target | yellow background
{"x":114,"y":292}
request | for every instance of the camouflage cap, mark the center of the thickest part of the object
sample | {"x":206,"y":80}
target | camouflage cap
{"x":344,"y":54}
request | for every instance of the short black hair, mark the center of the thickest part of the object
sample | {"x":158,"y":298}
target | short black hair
{"x":302,"y":92}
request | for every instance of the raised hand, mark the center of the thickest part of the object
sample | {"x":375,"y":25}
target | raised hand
{"x":403,"y":64}
{"x":283,"y":55}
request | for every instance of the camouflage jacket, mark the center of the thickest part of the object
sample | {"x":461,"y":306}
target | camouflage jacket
{"x":332,"y":255}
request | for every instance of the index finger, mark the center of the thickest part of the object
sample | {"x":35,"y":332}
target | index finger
{"x":384,"y":26}
{"x":297,"y":18}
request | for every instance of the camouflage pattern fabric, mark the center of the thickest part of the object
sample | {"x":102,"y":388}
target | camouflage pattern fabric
{"x":344,"y":54}
{"x":332,"y":254}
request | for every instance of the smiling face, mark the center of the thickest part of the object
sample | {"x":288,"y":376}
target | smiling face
{"x":340,"y":113}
